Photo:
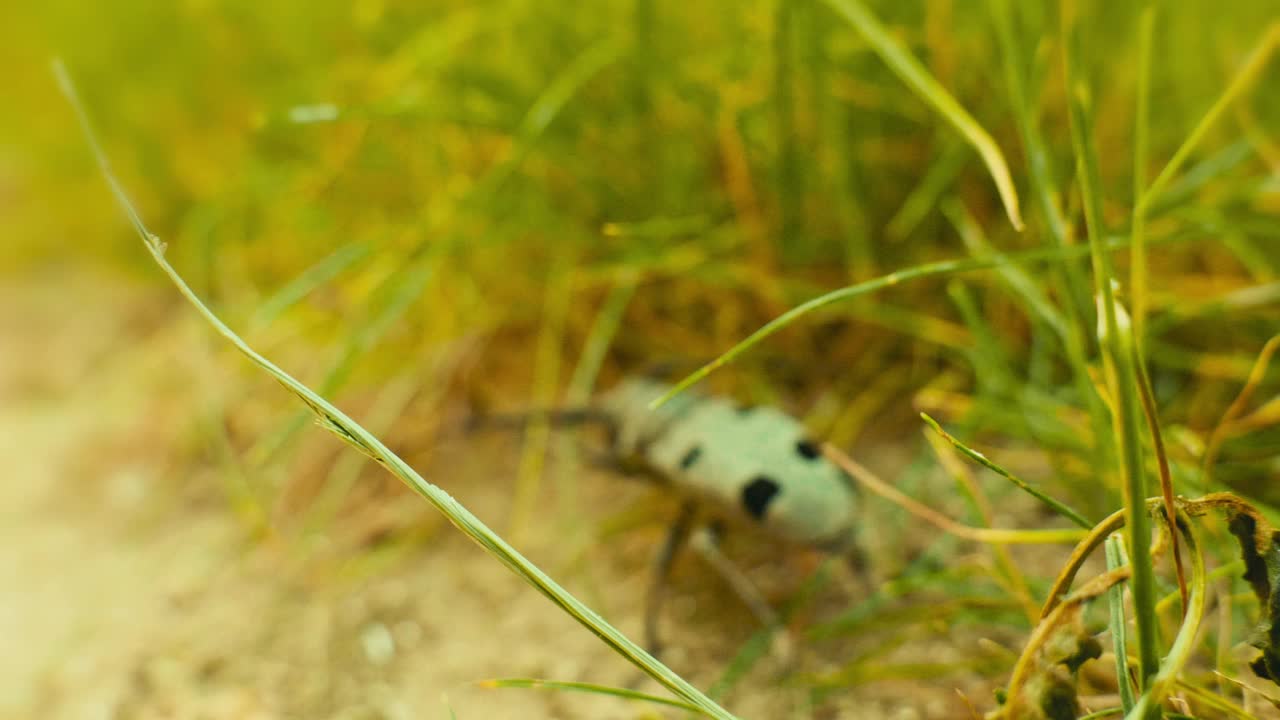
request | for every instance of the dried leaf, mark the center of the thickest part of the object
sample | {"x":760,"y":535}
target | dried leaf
{"x":1044,"y":684}
{"x":1261,"y":554}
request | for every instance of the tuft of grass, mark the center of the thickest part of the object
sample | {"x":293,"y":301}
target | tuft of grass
{"x":893,"y":279}
{"x":931,"y":91}
{"x":351,"y":432}
{"x":667,"y":191}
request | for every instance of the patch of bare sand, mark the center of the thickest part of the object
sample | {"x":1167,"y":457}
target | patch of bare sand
{"x":131,"y":590}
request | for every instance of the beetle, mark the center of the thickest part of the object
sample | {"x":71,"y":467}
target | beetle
{"x":757,"y":462}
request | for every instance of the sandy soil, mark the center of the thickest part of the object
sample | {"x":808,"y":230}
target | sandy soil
{"x":131,"y":590}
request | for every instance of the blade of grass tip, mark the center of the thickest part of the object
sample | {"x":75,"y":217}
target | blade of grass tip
{"x":1039,"y":160}
{"x":1010,"y":579}
{"x":352,"y":432}
{"x":918,"y":78}
{"x":918,"y":272}
{"x":583,"y":687}
{"x":1071,"y":284}
{"x":1119,"y":628}
{"x":1117,"y":345}
{"x":1252,"y":67}
{"x":1052,"y":503}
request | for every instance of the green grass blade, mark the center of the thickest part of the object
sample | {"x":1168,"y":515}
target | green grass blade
{"x":547,"y":107}
{"x":1253,"y":66}
{"x":624,"y":693}
{"x":918,"y":272}
{"x":1039,"y":161}
{"x":547,"y":361}
{"x":1116,"y":340}
{"x":1070,"y":279}
{"x":392,"y":299}
{"x":915,"y":75}
{"x":313,"y":277}
{"x":1054,"y":504}
{"x":603,"y":330}
{"x":334,"y":420}
{"x":924,"y":198}
{"x":1138,"y":253}
{"x":1184,"y":643}
{"x":1018,"y":281}
{"x":1119,"y":627}
{"x":789,"y":177}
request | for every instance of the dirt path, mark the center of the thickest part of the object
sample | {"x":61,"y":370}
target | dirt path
{"x":131,"y":590}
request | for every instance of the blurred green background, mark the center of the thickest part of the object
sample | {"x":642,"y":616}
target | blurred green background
{"x":432,"y":205}
{"x":440,"y":172}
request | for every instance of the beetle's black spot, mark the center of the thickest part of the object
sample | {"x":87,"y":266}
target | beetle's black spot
{"x":744,"y":409}
{"x":808,"y":449}
{"x":757,"y":494}
{"x":691,"y":457}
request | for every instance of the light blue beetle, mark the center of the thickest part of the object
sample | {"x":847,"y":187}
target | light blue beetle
{"x":756,"y":462}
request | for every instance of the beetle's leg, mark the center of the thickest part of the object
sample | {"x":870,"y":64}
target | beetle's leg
{"x":707,"y":544}
{"x":677,"y":535}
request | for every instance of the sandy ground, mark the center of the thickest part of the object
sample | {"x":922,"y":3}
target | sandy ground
{"x":131,"y":590}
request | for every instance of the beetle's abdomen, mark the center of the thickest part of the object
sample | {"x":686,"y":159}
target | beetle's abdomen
{"x":757,"y":461}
